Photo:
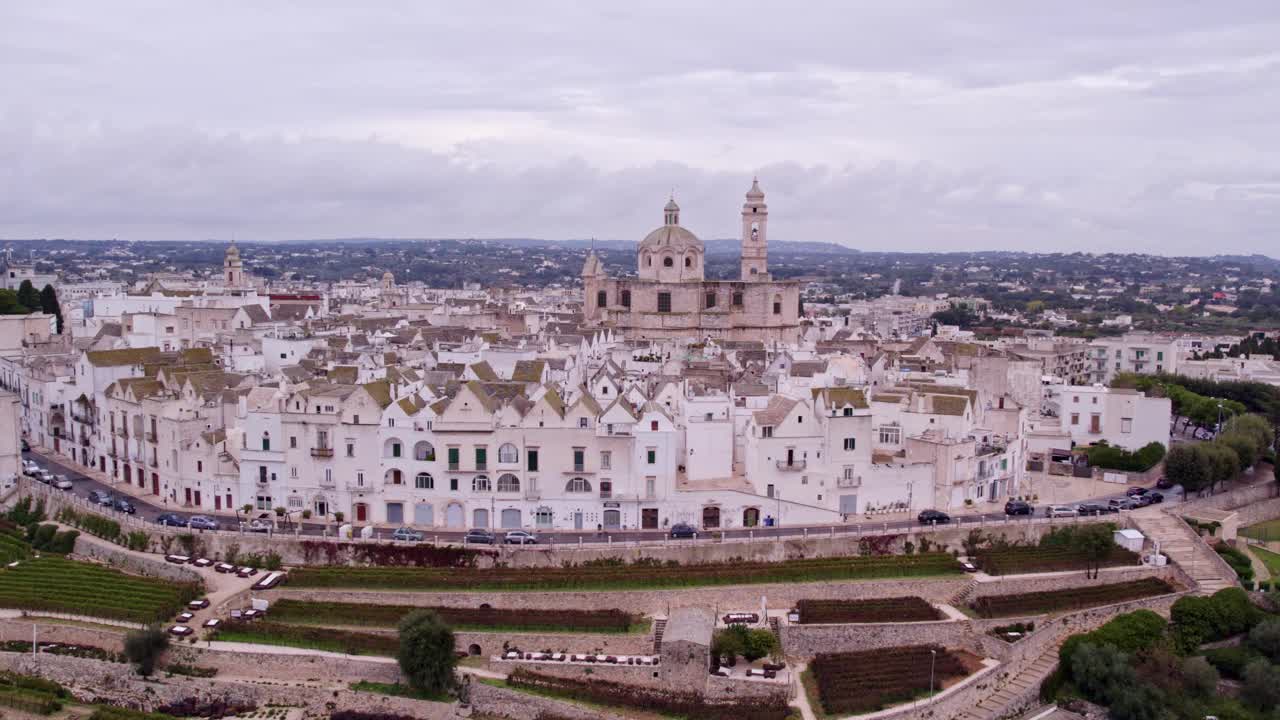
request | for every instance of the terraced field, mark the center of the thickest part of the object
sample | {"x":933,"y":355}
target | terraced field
{"x":58,"y":585}
{"x":624,"y":577}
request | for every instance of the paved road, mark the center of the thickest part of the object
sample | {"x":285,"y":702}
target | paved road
{"x":147,"y":509}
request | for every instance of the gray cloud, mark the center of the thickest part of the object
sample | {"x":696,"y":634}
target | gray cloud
{"x":922,"y":125}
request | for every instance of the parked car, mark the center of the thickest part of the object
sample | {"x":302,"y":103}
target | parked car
{"x":44,"y":476}
{"x":1118,"y":504}
{"x":202,"y":522}
{"x":1087,"y":509}
{"x":26,"y":446}
{"x":62,"y":483}
{"x":479,"y":536}
{"x":29,"y":468}
{"x":1164,"y":483}
{"x":171,"y":520}
{"x":407,"y":534}
{"x":258,"y":525}
{"x":683,"y":530}
{"x":1150,"y":499}
{"x":1057,"y":511}
{"x":933,"y":517}
{"x":124,"y":506}
{"x":246,"y":572}
{"x":520,"y":537}
{"x":101,"y":497}
{"x":1018,"y":507}
{"x":224,"y":568}
{"x":180,"y":630}
{"x":1134,"y":492}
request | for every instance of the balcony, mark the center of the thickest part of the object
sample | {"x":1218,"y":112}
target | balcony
{"x":320,"y":452}
{"x":482,"y":467}
{"x":154,"y":463}
{"x":328,"y":483}
{"x":151,"y":437}
{"x":121,"y":432}
{"x":356,"y":487}
{"x":84,"y":440}
{"x":844,"y":482}
{"x":792,"y":465}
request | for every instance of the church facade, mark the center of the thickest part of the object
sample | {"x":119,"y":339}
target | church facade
{"x":670,"y":296}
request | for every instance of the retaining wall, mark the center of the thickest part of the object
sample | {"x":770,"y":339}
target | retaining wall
{"x":92,"y":548}
{"x":515,"y":705}
{"x":651,"y":602}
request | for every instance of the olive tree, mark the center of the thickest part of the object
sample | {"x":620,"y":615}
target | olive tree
{"x":426,"y":651}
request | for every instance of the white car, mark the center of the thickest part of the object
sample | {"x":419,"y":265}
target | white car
{"x":62,"y":483}
{"x":1057,"y":511}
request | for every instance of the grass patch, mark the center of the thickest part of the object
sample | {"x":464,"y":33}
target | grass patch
{"x":338,"y":614}
{"x":1270,"y":559}
{"x":627,"y":577}
{"x":398,"y":690}
{"x":310,"y":638}
{"x":55,"y":584}
{"x":1267,"y":530}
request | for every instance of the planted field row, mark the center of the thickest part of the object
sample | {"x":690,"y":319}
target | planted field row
{"x":866,"y":681}
{"x":313,"y":638}
{"x":1032,"y":559}
{"x":59,"y":585}
{"x":302,"y":612}
{"x":654,"y":700}
{"x":1070,"y":599}
{"x":627,"y":576}
{"x":877,"y":610}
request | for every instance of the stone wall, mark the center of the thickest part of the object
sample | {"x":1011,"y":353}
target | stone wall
{"x":91,"y":548}
{"x":20,"y":629}
{"x":805,"y":641}
{"x":953,"y":703}
{"x":650,"y":602}
{"x":1238,"y":497}
{"x":1066,"y":580}
{"x":515,"y":705}
{"x":302,"y":667}
{"x":1258,"y":512}
{"x":492,"y":643}
{"x":96,"y":681}
{"x":638,"y":675}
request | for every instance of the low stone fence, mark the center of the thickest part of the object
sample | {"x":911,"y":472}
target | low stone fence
{"x":493,"y":643}
{"x":21,"y":629}
{"x":649,"y":602}
{"x":953,"y":702}
{"x":1258,"y":512}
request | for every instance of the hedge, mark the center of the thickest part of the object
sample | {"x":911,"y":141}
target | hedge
{"x":1114,"y":458}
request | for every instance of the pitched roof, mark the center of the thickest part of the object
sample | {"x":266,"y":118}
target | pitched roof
{"x":528,"y":371}
{"x":483,"y":371}
{"x":256,"y":314}
{"x":836,"y":397}
{"x":123,"y":356}
{"x":776,"y":411}
{"x":380,"y":391}
{"x":345,"y":374}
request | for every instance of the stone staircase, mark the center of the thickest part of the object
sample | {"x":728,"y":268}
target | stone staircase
{"x":999,"y":703}
{"x":1181,"y":545}
{"x":659,"y":628}
{"x":961,"y":598}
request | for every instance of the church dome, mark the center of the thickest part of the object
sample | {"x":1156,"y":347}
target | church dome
{"x":671,"y":237}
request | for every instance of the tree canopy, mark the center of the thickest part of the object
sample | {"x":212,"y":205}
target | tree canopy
{"x":426,"y":651}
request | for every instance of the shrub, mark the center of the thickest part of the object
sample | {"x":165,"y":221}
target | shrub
{"x":1114,"y":458}
{"x":1230,"y":661}
{"x":1265,"y":638}
{"x":1197,"y":620}
{"x":1129,"y":633}
{"x":1199,"y":677}
{"x":426,"y":652}
{"x":144,"y":647}
{"x":750,"y":643}
{"x":137,"y":540}
{"x":1261,"y":687}
{"x":1236,"y":559}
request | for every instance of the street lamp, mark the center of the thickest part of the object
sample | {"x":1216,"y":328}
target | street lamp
{"x":1219,"y":428}
{"x":933,"y":659}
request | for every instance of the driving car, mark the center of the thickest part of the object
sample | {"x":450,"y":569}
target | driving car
{"x":1134,"y":492}
{"x":202,"y":522}
{"x":520,"y":537}
{"x":1117,"y":504}
{"x":1150,"y":499}
{"x":1092,"y":509}
{"x":683,"y":530}
{"x":1164,"y":483}
{"x":124,"y":506}
{"x":100,"y":497}
{"x":258,"y":525}
{"x":478,"y":536}
{"x":44,"y":476}
{"x":1018,"y":507}
{"x":1056,"y":511}
{"x":62,"y":483}
{"x":171,"y":520}
{"x":407,"y":534}
{"x":933,"y":517}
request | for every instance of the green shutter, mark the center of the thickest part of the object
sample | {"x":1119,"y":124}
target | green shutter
{"x":453,"y":456}
{"x":533,"y":460}
{"x":481,"y":456}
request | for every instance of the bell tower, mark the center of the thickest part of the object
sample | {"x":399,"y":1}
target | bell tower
{"x":755,"y":244}
{"x":233,"y":267}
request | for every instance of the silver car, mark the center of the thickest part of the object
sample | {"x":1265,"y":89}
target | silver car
{"x":1057,"y":511}
{"x":407,"y":534}
{"x":62,"y":483}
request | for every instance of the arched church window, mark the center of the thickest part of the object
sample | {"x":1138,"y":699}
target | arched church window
{"x":688,"y":261}
{"x":668,"y":261}
{"x":626,"y":298}
{"x":601,"y":298}
{"x":777,"y":304}
{"x":648,"y":260}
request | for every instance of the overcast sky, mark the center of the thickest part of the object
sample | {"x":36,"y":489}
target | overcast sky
{"x":905,"y":125}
